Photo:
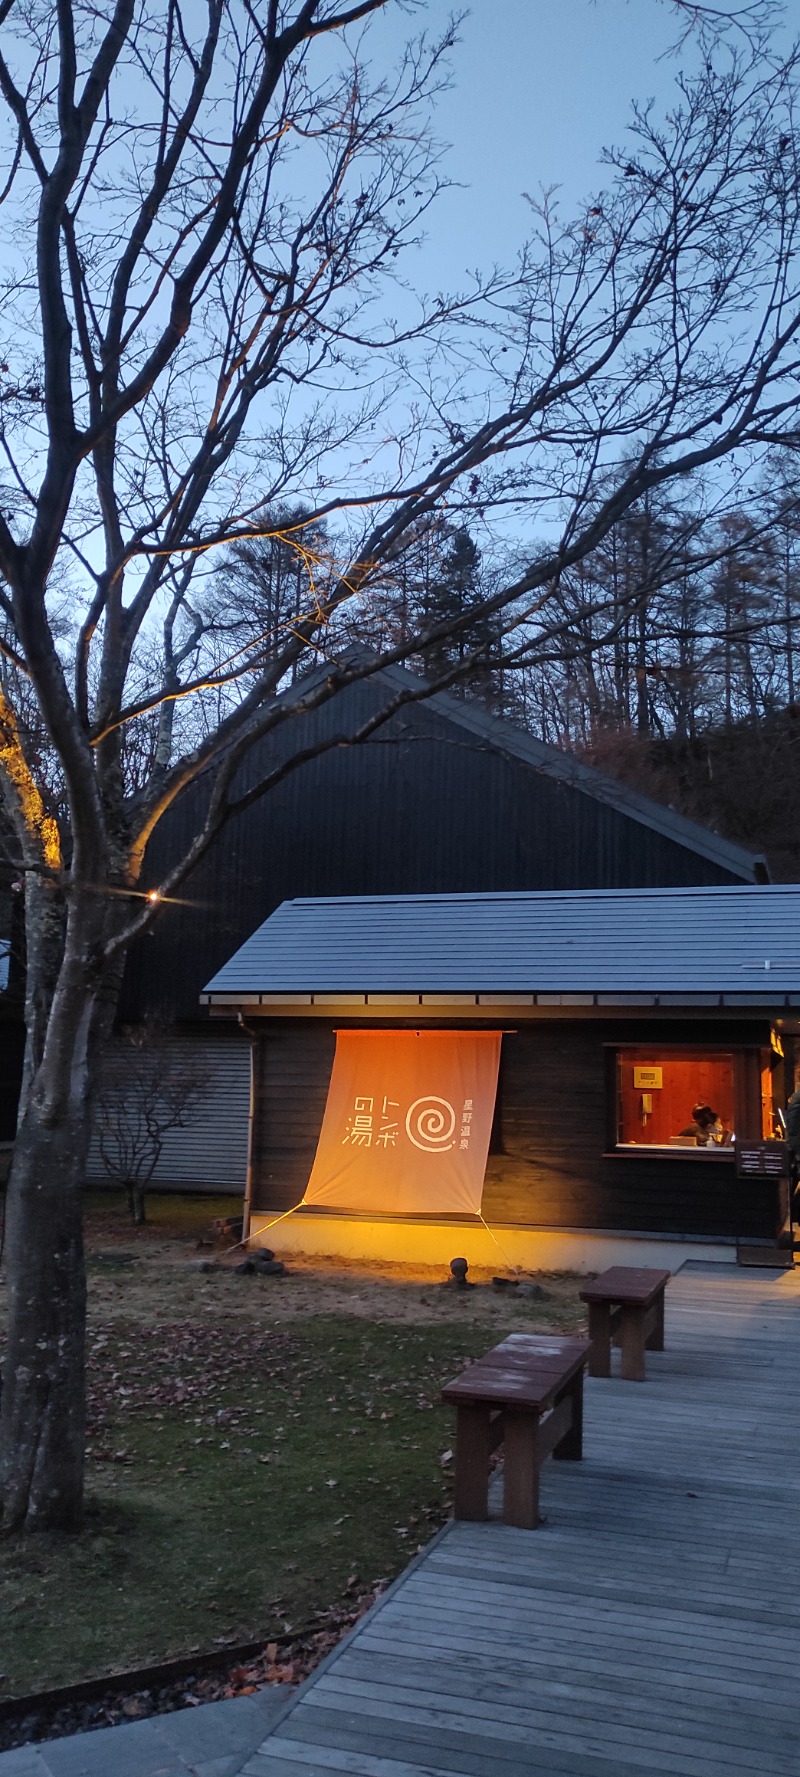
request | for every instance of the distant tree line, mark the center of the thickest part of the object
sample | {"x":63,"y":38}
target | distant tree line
{"x":670,"y":655}
{"x":685,"y":619}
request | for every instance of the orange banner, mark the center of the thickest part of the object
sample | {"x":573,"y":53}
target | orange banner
{"x":407,"y":1122}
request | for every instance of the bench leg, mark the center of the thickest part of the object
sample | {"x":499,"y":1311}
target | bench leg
{"x":473,"y":1448}
{"x":600,"y":1337}
{"x":521,"y":1470}
{"x":631,"y":1338}
{"x":571,"y":1447}
{"x":656,"y":1339}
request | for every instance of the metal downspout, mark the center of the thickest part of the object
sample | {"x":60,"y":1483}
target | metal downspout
{"x":248,"y":1178}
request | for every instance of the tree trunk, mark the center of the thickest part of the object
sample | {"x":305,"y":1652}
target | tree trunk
{"x":787,"y":617}
{"x":42,"y":1431}
{"x":643,"y":724}
{"x":42,"y":1408}
{"x":136,"y":1204}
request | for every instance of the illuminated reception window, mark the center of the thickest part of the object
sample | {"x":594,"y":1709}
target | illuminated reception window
{"x":676,"y":1099}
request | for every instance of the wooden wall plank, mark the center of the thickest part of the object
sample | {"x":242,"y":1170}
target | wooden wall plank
{"x":546,"y":1164}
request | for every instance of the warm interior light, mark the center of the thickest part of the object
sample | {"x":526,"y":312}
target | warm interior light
{"x":154,"y":895}
{"x":657,"y":1089}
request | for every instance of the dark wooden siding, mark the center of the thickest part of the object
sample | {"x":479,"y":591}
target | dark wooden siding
{"x":549,"y":1164}
{"x":423,"y":807}
{"x":292,"y":1067}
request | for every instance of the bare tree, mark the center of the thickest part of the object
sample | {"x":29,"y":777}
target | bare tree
{"x":204,"y":218}
{"x":147,"y":1088}
{"x":683,"y":621}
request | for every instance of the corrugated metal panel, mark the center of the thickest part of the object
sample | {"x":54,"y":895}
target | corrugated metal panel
{"x":739,"y":940}
{"x":211,"y":1150}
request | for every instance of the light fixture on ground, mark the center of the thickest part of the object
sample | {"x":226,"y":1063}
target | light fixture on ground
{"x":458,"y":1274}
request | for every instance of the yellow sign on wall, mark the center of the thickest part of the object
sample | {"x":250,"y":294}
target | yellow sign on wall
{"x":647,"y":1079}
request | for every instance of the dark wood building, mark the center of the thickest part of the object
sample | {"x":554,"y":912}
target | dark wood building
{"x":443,"y":798}
{"x":623,"y":1014}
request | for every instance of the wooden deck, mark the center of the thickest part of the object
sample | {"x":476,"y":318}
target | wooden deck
{"x":653,"y":1624}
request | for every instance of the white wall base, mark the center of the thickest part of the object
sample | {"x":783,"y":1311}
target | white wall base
{"x":436,"y":1243}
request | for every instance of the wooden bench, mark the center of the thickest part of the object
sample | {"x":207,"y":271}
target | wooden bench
{"x":626,"y":1308}
{"x":528,"y":1395}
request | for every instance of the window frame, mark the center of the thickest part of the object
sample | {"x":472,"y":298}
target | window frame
{"x":748,"y":1062}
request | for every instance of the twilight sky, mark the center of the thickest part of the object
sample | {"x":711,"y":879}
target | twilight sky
{"x":539,"y":87}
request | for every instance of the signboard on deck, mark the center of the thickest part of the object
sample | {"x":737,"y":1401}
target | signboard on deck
{"x":407,"y":1122}
{"x":762,"y":1159}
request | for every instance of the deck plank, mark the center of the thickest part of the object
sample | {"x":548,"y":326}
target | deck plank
{"x":650,"y":1626}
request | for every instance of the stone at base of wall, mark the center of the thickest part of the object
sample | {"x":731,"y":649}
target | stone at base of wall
{"x":434,"y":1243}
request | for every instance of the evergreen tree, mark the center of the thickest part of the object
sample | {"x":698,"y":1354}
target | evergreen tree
{"x":453,"y":601}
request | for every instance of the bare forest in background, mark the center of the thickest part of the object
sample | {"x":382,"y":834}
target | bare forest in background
{"x":675,"y":668}
{"x":693,"y":693}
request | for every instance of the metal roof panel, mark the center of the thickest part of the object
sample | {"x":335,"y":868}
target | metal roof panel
{"x":724,"y":940}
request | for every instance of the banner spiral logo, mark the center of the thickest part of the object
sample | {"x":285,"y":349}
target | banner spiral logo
{"x":430,"y":1124}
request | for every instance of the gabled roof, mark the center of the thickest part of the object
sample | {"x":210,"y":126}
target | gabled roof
{"x":504,"y":736}
{"x":737,"y":944}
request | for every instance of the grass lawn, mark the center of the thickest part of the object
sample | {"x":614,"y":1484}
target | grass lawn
{"x":259,"y":1449}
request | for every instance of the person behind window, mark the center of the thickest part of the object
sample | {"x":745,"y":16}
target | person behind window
{"x":792,"y":1126}
{"x":706,"y":1126}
